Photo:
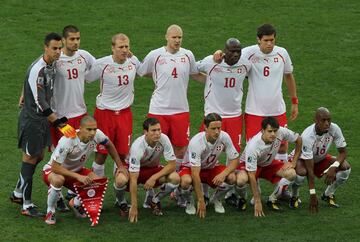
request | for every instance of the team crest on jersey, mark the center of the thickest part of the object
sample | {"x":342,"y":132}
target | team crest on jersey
{"x":79,"y":61}
{"x":92,"y":146}
{"x":193,"y":155}
{"x":239,"y":70}
{"x":276,"y":59}
{"x":110,"y":69}
{"x":219,"y":147}
{"x":157,"y":148}
{"x":130,"y":67}
{"x":183,"y":59}
{"x":327,"y":139}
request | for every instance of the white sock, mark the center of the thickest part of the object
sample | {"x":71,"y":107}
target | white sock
{"x":53,"y":196}
{"x":77,"y":201}
{"x":282,"y":157}
{"x":281,"y":185}
{"x":242,"y":190}
{"x":120,"y":194}
{"x":99,"y":170}
{"x":205,"y":189}
{"x":186,"y":193}
{"x":341,"y":177}
{"x":221,"y":190}
{"x":299,"y":180}
{"x":165,"y":189}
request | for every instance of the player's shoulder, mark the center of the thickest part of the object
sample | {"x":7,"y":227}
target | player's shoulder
{"x":249,"y":50}
{"x":334,"y":128}
{"x":37,"y":65}
{"x":208,"y":60}
{"x":84,"y":52}
{"x":104,"y":60}
{"x":66,"y":143}
{"x":139,"y":141}
{"x":224,"y":135}
{"x":164,"y":139}
{"x":279,"y":50}
{"x":198,"y":139}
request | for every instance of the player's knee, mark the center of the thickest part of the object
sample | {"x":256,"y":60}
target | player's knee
{"x":231,"y":178}
{"x":57,"y":181}
{"x":174,"y":178}
{"x":290,"y":174}
{"x":241,"y":178}
{"x":121,"y":180}
{"x":185,"y":181}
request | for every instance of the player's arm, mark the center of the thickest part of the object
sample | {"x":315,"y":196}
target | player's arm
{"x":115,"y":156}
{"x":313,"y":205}
{"x":21,"y":98}
{"x":258,"y":212}
{"x":133,"y":213}
{"x":199,"y":77}
{"x":195,"y":174}
{"x":59,"y":169}
{"x":166,"y":170}
{"x":297,"y":153}
{"x":291,"y":86}
{"x":220,"y":178}
{"x":330,"y":173}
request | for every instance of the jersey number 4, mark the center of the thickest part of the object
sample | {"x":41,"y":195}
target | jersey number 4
{"x":174,"y":73}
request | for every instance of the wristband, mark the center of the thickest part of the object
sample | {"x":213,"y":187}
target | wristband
{"x":294,"y":100}
{"x":47,"y":112}
{"x":335,"y":164}
{"x":312,"y":191}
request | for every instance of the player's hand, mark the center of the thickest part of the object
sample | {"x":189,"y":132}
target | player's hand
{"x":313,"y":206}
{"x":68,"y":131}
{"x":130,"y":54}
{"x":133,"y":214}
{"x":122,"y":170}
{"x":258,"y":211}
{"x":219,"y":179}
{"x":218,"y":56}
{"x":330,"y":175}
{"x":294,"y":112}
{"x":86,"y":180}
{"x":21,"y":101}
{"x":150,"y":183}
{"x":201,"y":209}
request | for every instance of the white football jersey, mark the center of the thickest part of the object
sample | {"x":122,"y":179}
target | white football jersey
{"x":170,"y":73}
{"x":264,"y":96}
{"x":72,"y":154}
{"x":143,"y":155}
{"x":316,"y":147}
{"x":68,"y":99}
{"x":116,"y":82}
{"x":258,"y":153}
{"x":202,"y":153}
{"x":224,"y":86}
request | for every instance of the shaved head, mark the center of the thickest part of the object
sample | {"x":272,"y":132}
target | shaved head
{"x":174,"y":38}
{"x":322,"y":120}
{"x":232,"y":51}
{"x":87,"y":119}
{"x":119,"y":36}
{"x":322,"y":111}
{"x":232,"y":42}
{"x":172,"y":28}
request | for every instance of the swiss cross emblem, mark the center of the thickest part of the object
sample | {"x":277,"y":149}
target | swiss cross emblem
{"x":182,"y":59}
{"x":276,"y":59}
{"x":239,"y":70}
{"x":79,"y":61}
{"x":327,"y":139}
{"x":157,"y":148}
{"x":219,"y":148}
{"x":130,"y":67}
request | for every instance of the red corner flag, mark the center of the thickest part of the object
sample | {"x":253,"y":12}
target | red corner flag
{"x":91,"y":197}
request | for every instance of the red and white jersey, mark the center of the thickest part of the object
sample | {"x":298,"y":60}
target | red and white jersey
{"x":264,"y":96}
{"x":170,"y":73}
{"x":143,"y":155}
{"x":316,"y":147}
{"x":224,"y":86}
{"x":68,"y":99}
{"x":201,"y":153}
{"x":72,"y":154}
{"x":258,"y":153}
{"x":116,"y":82}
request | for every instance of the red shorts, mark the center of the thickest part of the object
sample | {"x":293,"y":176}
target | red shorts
{"x":269,"y":172}
{"x":253,"y":124}
{"x":176,"y":126}
{"x":117,"y":125}
{"x":146,"y":172}
{"x":56,"y":134}
{"x":69,"y":181}
{"x":206,"y":175}
{"x":321,"y":166}
{"x":232,"y":126}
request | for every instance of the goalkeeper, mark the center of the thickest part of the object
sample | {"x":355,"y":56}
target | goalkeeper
{"x":34,"y":119}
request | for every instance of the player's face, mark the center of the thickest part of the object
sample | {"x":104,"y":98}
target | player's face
{"x":72,"y":42}
{"x":213,"y":131}
{"x":174,"y":39}
{"x":232,"y":54}
{"x":153,"y":134}
{"x":323,"y":122}
{"x":269,"y":134}
{"x":266,"y":43}
{"x":53,"y":50}
{"x":121,"y":50}
{"x":87,"y":131}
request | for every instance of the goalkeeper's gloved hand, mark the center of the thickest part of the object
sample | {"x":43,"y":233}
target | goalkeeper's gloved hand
{"x":65,"y":129}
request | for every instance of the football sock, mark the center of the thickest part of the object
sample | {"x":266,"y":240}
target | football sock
{"x":282,"y":184}
{"x":26,"y":176}
{"x":242,"y":190}
{"x":221,"y":190}
{"x":299,"y":180}
{"x":165,"y":189}
{"x":205,"y":189}
{"x":186,"y":193}
{"x":120,"y":194}
{"x":53,"y":195}
{"x":17,"y":190}
{"x":282,"y":157}
{"x":341,"y":177}
{"x":99,"y":170}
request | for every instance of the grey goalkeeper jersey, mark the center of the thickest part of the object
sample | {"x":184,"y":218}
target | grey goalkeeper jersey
{"x":38,"y":88}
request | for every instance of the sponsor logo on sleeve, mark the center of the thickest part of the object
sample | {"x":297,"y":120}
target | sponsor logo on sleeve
{"x":193,"y":155}
{"x":133,"y":160}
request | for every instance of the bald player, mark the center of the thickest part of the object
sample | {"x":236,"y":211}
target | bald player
{"x":315,"y":160}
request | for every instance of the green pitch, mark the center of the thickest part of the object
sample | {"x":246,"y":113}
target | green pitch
{"x":322,"y":38}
